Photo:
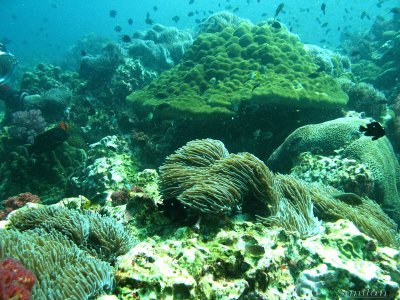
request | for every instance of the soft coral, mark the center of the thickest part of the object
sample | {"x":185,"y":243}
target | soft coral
{"x":13,"y":203}
{"x":16,"y":282}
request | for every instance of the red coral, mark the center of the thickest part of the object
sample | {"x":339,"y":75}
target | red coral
{"x":16,"y":282}
{"x":13,"y":203}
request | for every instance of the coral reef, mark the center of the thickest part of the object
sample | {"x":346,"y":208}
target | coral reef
{"x":342,"y":136}
{"x":98,"y":69}
{"x":45,"y":77}
{"x":219,"y":21}
{"x":62,"y":270}
{"x":248,"y":260}
{"x":45,"y":175}
{"x":160,"y":47}
{"x":340,"y":172}
{"x":91,"y":44}
{"x":25,"y":125}
{"x":363,"y":97}
{"x":16,"y":202}
{"x":16,"y":282}
{"x":109,"y":167}
{"x":243,"y":81}
{"x":53,"y":103}
{"x":378,"y":60}
{"x":328,"y":61}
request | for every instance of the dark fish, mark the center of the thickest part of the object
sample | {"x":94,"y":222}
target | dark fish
{"x":49,"y":140}
{"x":14,"y":17}
{"x":191,"y":2}
{"x":53,"y":5}
{"x":323,"y":7}
{"x":113,"y":13}
{"x":258,"y":1}
{"x":148,"y":20}
{"x":364,"y":14}
{"x":373,"y":129}
{"x":255,"y":86}
{"x":83,"y":53}
{"x":155,"y":8}
{"x":355,"y":53}
{"x":325,"y":24}
{"x":118,"y":28}
{"x":228,"y":6}
{"x":130,"y":21}
{"x":176,"y":19}
{"x":190,"y":14}
{"x":338,"y":29}
{"x":395,"y":10}
{"x":322,"y":41}
{"x":235,"y":9}
{"x":125,"y":38}
{"x":264,"y":14}
{"x":279,"y":9}
{"x":198,"y":21}
{"x":316,"y":73}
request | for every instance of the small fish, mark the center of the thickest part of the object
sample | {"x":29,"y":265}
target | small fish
{"x":14,"y":17}
{"x":113,"y":13}
{"x":148,"y":20}
{"x":364,"y":14}
{"x":323,"y":8}
{"x":130,"y":21}
{"x":50,"y":139}
{"x":53,"y":5}
{"x":355,"y":53}
{"x":279,"y":9}
{"x":373,"y":129}
{"x":191,"y":2}
{"x":395,"y":10}
{"x":83,"y":53}
{"x":190,"y":14}
{"x":324,"y":25}
{"x":176,"y":19}
{"x":264,"y":15}
{"x":118,"y":28}
{"x":126,"y":38}
{"x":155,"y":8}
{"x":338,"y":29}
{"x":198,"y":21}
{"x":255,"y":86}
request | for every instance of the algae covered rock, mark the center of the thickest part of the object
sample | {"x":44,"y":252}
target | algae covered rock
{"x":250,"y":261}
{"x":248,"y":85}
{"x":256,"y":64}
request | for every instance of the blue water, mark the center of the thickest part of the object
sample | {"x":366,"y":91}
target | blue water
{"x":44,"y":30}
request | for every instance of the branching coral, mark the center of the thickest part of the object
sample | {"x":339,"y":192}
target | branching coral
{"x":62,"y":270}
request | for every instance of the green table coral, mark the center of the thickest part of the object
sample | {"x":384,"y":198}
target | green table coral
{"x":259,"y":64}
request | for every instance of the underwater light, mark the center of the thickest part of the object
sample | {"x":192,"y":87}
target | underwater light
{"x":7,"y":64}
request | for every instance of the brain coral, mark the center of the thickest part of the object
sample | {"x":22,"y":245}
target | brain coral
{"x":343,"y":136}
{"x":261,"y":65}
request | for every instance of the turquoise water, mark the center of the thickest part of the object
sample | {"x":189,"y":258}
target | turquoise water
{"x":44,"y":30}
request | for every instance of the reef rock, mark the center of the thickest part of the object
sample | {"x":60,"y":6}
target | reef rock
{"x":342,"y":137}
